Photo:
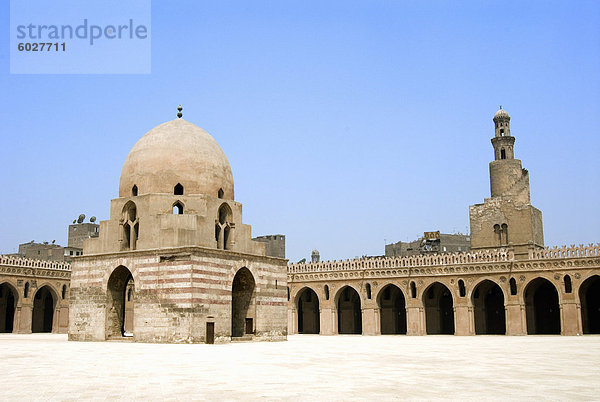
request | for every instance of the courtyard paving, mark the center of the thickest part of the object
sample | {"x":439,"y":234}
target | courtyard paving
{"x":306,"y":367}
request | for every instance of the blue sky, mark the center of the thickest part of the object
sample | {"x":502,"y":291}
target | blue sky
{"x":347,"y":124}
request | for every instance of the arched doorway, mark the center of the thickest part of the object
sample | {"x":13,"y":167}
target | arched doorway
{"x":589,"y":296}
{"x":243,"y":307}
{"x":349,"y":312}
{"x":116,"y":293}
{"x":439,"y":310}
{"x":308,"y":312}
{"x":392,"y":310}
{"x":488,"y":309}
{"x":44,"y":303}
{"x":8,"y":304}
{"x":541,"y":308}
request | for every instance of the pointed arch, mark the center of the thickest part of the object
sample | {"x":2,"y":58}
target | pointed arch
{"x":589,"y":297}
{"x":392,"y":310}
{"x":9,"y":297}
{"x":439,"y":309}
{"x":349,"y":311}
{"x":307,"y":308}
{"x":542,"y":307}
{"x":489,"y":312}
{"x":178,"y":189}
{"x":116,"y":288}
{"x":45,"y":300}
{"x":243,"y":303}
{"x":178,"y":208}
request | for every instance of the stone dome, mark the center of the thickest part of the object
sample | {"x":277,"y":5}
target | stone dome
{"x":501,"y":114}
{"x":177,"y":152}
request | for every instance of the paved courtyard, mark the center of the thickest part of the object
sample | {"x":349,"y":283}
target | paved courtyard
{"x":308,"y":367}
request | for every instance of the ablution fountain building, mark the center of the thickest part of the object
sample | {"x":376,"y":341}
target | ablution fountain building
{"x":175,"y":263}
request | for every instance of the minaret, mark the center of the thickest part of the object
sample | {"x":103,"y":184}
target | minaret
{"x":507,"y":176}
{"x":507,"y":218}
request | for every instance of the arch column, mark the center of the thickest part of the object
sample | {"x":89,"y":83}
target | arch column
{"x":415,"y":319}
{"x":462,"y":320}
{"x":369,"y":321}
{"x":515,"y":319}
{"x":25,"y":316}
{"x":292,"y":321}
{"x":328,"y":321}
{"x":569,"y":316}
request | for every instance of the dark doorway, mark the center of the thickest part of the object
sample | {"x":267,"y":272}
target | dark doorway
{"x":488,"y":309}
{"x":392,"y":310}
{"x":118,"y":307}
{"x":589,"y":296}
{"x":349,"y":312}
{"x":210,"y":332}
{"x":439,"y":310}
{"x":308,"y":312}
{"x":43,"y":310}
{"x":249,"y":326}
{"x":242,"y":302}
{"x":541,"y":307}
{"x":8,"y":304}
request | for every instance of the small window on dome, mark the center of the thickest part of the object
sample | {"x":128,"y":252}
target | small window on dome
{"x":221,"y":193}
{"x":134,"y":191}
{"x":178,"y":190}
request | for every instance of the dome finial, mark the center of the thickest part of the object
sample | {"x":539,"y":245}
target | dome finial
{"x":500,"y":107}
{"x":179,"y":114}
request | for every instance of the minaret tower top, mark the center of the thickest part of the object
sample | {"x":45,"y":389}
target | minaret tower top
{"x":503,"y":142}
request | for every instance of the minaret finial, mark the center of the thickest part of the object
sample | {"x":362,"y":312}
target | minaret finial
{"x":179,"y":114}
{"x":500,"y":107}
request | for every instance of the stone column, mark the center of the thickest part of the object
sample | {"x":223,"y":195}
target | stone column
{"x":462,"y":320}
{"x":25,"y":316}
{"x":369,"y":321}
{"x":292,"y":321}
{"x":569,"y":318}
{"x":326,"y":323}
{"x":515,"y":319}
{"x":414,"y":320}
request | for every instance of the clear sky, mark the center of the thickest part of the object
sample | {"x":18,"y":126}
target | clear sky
{"x":347,"y":123}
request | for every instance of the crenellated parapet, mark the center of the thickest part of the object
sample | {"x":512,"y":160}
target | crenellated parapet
{"x":13,"y":261}
{"x":591,"y":250}
{"x":484,"y":256}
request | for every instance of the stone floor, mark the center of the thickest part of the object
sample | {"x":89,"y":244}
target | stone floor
{"x":307,"y":367}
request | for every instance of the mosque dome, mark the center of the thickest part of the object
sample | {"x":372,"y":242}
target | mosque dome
{"x":177,"y":153}
{"x":501,"y":114}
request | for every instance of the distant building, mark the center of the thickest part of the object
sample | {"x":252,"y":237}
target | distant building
{"x":78,"y":232}
{"x":430,"y":243}
{"x":54,"y":252}
{"x":275,"y":244}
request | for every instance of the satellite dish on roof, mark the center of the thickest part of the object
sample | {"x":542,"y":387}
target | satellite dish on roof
{"x":81,"y":218}
{"x":93,"y":219}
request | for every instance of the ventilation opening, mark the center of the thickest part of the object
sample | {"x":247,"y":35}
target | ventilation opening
{"x":326,"y":292}
{"x":513,"y":286}
{"x":368,"y":289}
{"x":220,"y":193}
{"x":413,"y":290}
{"x":178,"y":190}
{"x":461,"y":288}
{"x":502,"y":154}
{"x":64,"y":292}
{"x":26,"y":290}
{"x":178,"y":208}
{"x":568,"y":284}
{"x":134,"y":191}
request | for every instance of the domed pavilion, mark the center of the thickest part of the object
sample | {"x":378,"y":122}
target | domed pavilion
{"x":175,"y":263}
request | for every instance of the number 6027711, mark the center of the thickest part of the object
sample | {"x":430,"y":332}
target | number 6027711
{"x":42,"y":47}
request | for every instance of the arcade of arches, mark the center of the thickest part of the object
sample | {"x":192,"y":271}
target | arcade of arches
{"x":26,"y":307}
{"x":546,"y":302}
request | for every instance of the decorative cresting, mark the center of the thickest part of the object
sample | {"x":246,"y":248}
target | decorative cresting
{"x":13,"y":261}
{"x":591,"y":250}
{"x":499,"y":255}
